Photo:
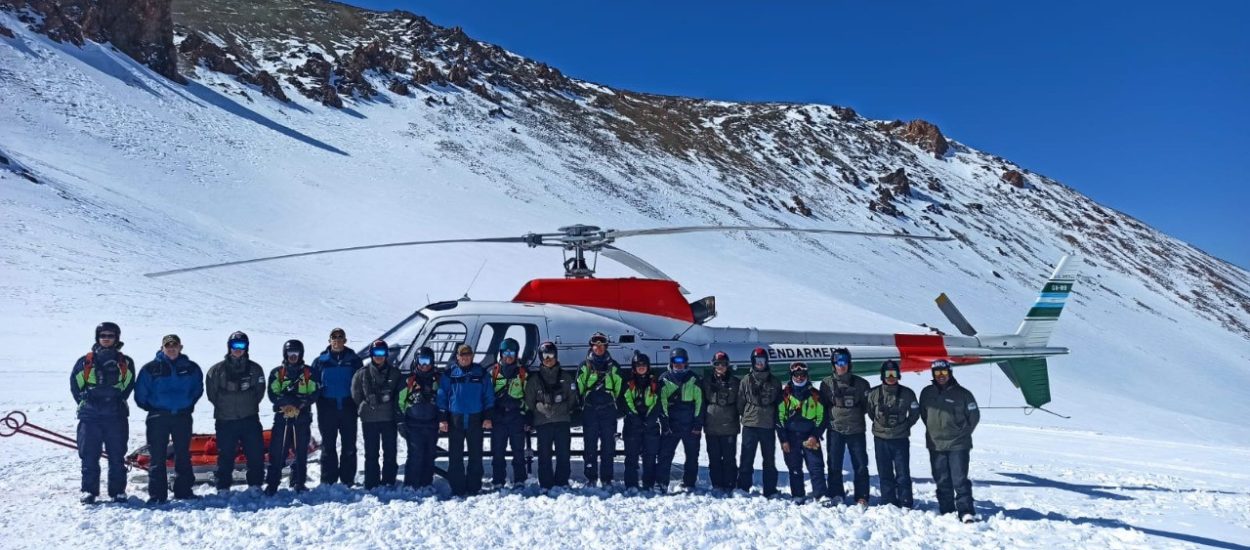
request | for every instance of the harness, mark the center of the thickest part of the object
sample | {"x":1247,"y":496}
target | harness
{"x":88,"y":364}
{"x":809,"y":408}
{"x":425,"y":394}
{"x":843,"y":399}
{"x":514,"y":386}
{"x":549,"y":391}
{"x":722,"y":391}
{"x":647,"y":397}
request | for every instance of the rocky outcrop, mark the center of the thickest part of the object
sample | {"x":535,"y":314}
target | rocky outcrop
{"x":921,"y":133}
{"x":268,"y":85}
{"x":5,"y":32}
{"x":1013,"y":178}
{"x":200,"y":51}
{"x":898,"y":182}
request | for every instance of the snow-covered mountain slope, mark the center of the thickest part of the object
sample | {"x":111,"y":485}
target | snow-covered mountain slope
{"x":111,"y":171}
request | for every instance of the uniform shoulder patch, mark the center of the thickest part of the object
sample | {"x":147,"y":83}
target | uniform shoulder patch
{"x":915,"y":405}
{"x":972,"y":406}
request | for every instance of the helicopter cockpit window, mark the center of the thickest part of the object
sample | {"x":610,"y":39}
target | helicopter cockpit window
{"x":493,"y":334}
{"x":444,"y":340}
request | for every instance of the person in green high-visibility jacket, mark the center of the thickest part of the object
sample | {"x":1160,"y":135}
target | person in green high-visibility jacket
{"x":800,"y":423}
{"x":599,"y":385}
{"x":642,"y":423}
{"x":293,"y":388}
{"x":100,"y":383}
{"x":681,"y":400}
{"x":510,"y":419}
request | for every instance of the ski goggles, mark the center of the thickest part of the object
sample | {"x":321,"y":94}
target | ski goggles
{"x":761,"y":361}
{"x":841,"y":361}
{"x":678,"y":360}
{"x":549,"y":355}
{"x":508,"y":353}
{"x":293,"y":355}
{"x":238,"y":344}
{"x":721,"y":363}
{"x":379,"y":352}
{"x":599,"y":340}
{"x":941,"y":371}
{"x":890,"y":373}
{"x":425,"y":360}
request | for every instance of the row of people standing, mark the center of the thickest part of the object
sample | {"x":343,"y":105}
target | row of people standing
{"x":660,"y":413}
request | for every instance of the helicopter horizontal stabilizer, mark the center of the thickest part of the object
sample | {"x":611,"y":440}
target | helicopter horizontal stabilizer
{"x":1031,"y":376}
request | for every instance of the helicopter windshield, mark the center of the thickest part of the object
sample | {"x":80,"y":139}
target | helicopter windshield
{"x":404,"y":333}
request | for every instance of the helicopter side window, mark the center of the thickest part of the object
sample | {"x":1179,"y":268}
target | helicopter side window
{"x":493,"y":334}
{"x":444,"y":339}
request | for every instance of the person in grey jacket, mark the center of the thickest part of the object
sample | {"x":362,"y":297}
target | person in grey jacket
{"x":894,"y":410}
{"x":845,"y":397}
{"x":375,"y":388}
{"x":552,"y":395}
{"x":759,"y":393}
{"x":720,"y":422}
{"x":236,"y":386}
{"x":950,"y":415}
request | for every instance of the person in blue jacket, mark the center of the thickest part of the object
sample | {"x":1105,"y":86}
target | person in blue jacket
{"x":642,"y":423}
{"x":339,"y":412}
{"x":465,"y":399}
{"x":418,"y":419}
{"x":293,"y":388}
{"x":101,"y":383}
{"x":168,"y":388}
{"x":681,"y":400}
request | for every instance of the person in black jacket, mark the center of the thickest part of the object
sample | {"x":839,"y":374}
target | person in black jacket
{"x":720,"y":427}
{"x":100,"y":384}
{"x":758,"y":397}
{"x":375,"y":388}
{"x":236,"y":386}
{"x":418,"y":419}
{"x":510,"y":419}
{"x":846,"y":405}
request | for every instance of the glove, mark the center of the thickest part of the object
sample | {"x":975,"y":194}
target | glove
{"x":442,"y":426}
{"x":785,"y":447}
{"x":812,"y":443}
{"x":559,"y":398}
{"x":290,"y":411}
{"x":386,"y":398}
{"x":486,"y":424}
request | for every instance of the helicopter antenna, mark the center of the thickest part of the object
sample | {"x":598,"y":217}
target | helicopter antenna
{"x":471,"y":283}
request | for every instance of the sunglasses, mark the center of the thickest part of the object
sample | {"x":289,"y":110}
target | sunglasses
{"x":239,"y":345}
{"x":721,"y":364}
{"x":107,"y":336}
{"x":380,"y":352}
{"x":798,"y":375}
{"x":941,"y":372}
{"x":170,"y":345}
{"x":465,"y":354}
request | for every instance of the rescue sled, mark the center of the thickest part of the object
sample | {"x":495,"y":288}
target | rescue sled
{"x":204,"y":453}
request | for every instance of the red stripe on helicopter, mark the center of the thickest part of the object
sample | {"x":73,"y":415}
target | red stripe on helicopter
{"x":650,"y":296}
{"x":918,"y":350}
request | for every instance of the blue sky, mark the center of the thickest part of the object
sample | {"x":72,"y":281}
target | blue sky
{"x":1144,"y":106}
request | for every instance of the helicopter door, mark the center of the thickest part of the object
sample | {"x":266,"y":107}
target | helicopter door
{"x":448,"y":334}
{"x":524,"y":330}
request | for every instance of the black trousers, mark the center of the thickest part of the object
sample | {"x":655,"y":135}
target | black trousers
{"x":288,"y":436}
{"x":950,"y":473}
{"x":721,"y":465}
{"x":422,"y":443}
{"x":380,"y":436}
{"x":796,"y":459}
{"x":553,"y":450}
{"x":668,"y":450}
{"x":642,"y":444}
{"x":837,"y":445}
{"x":507,"y":430}
{"x":337,"y":466}
{"x":248,"y":433}
{"x":161,"y":430}
{"x":599,"y":442}
{"x":894,"y":470}
{"x":766,"y":440}
{"x":464,"y":431}
{"x":110,"y":436}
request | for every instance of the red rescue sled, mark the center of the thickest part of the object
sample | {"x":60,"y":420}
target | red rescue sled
{"x":204,"y":456}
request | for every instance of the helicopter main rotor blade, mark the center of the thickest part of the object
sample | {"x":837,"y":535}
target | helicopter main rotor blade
{"x":638,"y":264}
{"x":615,"y":234}
{"x":533,"y":240}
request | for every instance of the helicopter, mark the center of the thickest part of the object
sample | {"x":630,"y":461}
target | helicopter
{"x":651,"y":315}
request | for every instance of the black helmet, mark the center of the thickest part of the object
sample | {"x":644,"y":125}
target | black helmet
{"x":598,"y":338}
{"x":759,"y":358}
{"x":678,"y":357}
{"x":293,"y":346}
{"x":108,"y":326}
{"x":891,"y":366}
{"x":237,"y":336}
{"x":721,"y":358}
{"x":425,"y":353}
{"x":640,"y":359}
{"x":510,"y":344}
{"x":840,"y":355}
{"x":798,"y":367}
{"x":940,"y":364}
{"x":548,"y":348}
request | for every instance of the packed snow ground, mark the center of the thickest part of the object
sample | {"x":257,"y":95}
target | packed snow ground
{"x":137,"y":174}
